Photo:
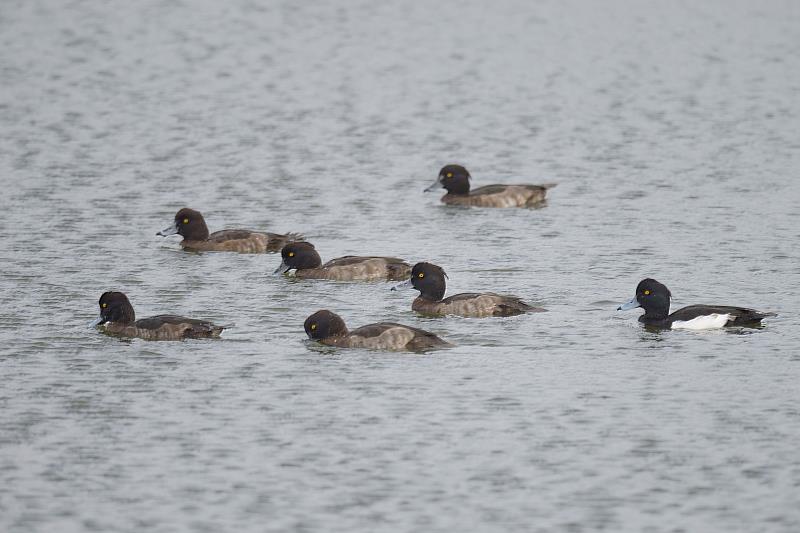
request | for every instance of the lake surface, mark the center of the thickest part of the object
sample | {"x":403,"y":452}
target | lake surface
{"x":671,"y":130}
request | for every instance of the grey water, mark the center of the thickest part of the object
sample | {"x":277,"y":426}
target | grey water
{"x":671,"y":129}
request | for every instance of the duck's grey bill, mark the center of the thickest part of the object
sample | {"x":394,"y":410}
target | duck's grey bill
{"x":283,"y":269}
{"x":402,"y":285}
{"x":172,"y":230}
{"x":436,"y":185}
{"x":96,"y":322}
{"x":633,"y":304}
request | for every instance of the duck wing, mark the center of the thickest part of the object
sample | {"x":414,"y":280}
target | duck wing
{"x":393,"y":336}
{"x":486,"y":304}
{"x":355,"y":259}
{"x":499,"y":189}
{"x":181,"y":326}
{"x":245,"y":240}
{"x":230,"y":235}
{"x":737,"y":315}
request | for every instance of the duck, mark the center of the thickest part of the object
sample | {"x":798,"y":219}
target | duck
{"x":303,"y":258}
{"x":118,"y":318}
{"x":455,"y":179}
{"x":328,"y":328}
{"x":191,"y":225}
{"x":429,"y":280}
{"x":654,"y":298}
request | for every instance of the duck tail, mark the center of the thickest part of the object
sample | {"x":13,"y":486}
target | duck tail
{"x":217,"y":330}
{"x":205,"y":331}
{"x":516,"y":307}
{"x":766,"y":314}
{"x":398,"y":270}
{"x":751,"y":316}
{"x":294,"y":237}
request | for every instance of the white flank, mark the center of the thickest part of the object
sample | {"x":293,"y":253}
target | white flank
{"x":713,"y":321}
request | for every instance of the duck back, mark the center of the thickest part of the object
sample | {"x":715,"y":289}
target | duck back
{"x":241,"y":241}
{"x":392,"y":336}
{"x":355,"y":268}
{"x":166,"y":327}
{"x":500,"y":196}
{"x":737,"y":316}
{"x":475,"y":305}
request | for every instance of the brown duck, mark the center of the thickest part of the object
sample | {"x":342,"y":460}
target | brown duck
{"x":429,"y":280}
{"x":329,"y":328}
{"x":455,"y":179}
{"x":192,"y":227}
{"x":306,"y":262}
{"x":118,"y":318}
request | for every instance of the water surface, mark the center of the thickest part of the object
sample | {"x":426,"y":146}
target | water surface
{"x":671,"y":130}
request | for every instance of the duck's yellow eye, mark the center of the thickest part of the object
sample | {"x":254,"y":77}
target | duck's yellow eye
{"x":185,"y":220}
{"x":104,"y":305}
{"x":646,"y":293}
{"x":421,"y":275}
{"x":313,"y":327}
{"x":291,"y":254}
{"x":449,"y":174}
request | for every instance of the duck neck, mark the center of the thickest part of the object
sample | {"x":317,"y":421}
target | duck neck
{"x":654,"y":321}
{"x":654,"y":316}
{"x":458,"y":186}
{"x":656,"y":308}
{"x":433,"y":294}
